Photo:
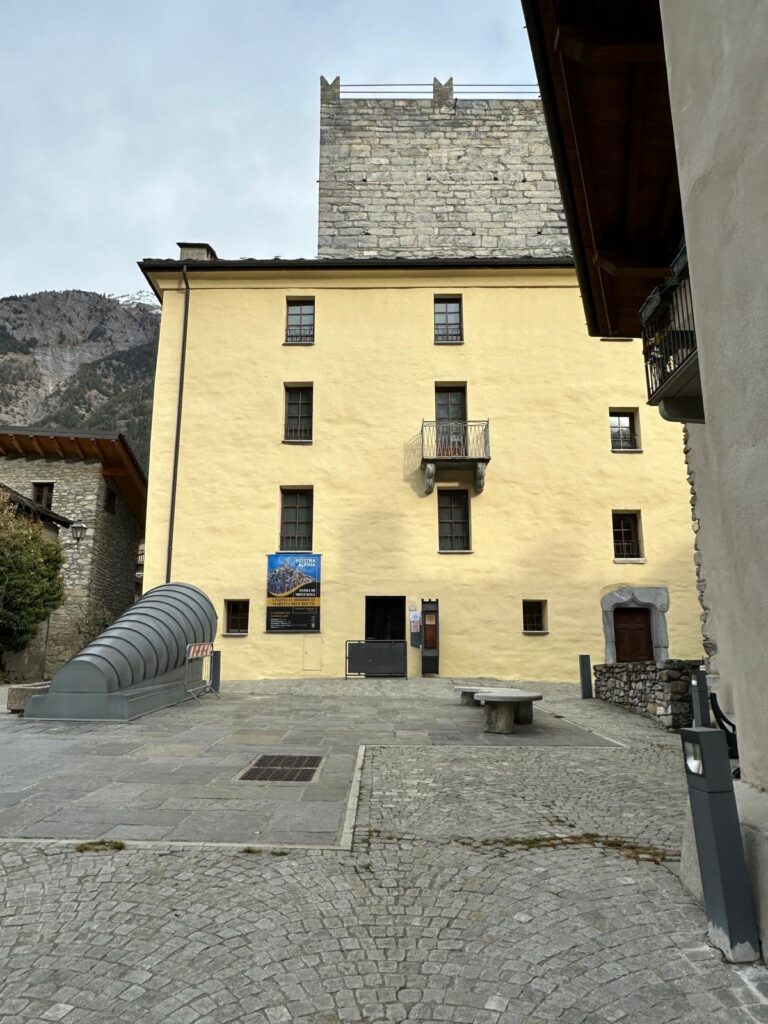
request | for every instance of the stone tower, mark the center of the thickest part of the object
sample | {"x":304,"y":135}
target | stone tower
{"x":436,"y":177}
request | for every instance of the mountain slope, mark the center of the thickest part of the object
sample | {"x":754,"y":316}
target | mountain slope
{"x":79,"y":360}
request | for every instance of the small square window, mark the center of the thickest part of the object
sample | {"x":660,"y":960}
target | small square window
{"x":298,"y":412}
{"x":237,"y":616}
{"x":296,"y":519}
{"x":624,"y":435}
{"x":534,"y":616}
{"x":300,"y":325}
{"x":110,"y":500}
{"x":43,"y":494}
{"x":626,"y":535}
{"x":453,"y":520}
{"x":449,"y":329}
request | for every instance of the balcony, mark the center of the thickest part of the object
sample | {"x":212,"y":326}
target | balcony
{"x":454,"y":444}
{"x":669,"y":348}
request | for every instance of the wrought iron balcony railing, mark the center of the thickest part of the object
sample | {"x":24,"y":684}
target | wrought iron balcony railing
{"x":455,"y":439}
{"x":669,"y":335}
{"x":449,"y":334}
{"x":299,"y":335}
{"x":461,"y":443}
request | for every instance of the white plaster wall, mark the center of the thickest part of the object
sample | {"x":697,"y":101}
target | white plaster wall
{"x":716,"y":59}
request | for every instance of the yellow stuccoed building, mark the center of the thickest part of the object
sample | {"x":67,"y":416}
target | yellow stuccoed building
{"x":476,"y":473}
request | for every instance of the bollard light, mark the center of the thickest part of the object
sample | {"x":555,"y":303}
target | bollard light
{"x":724,"y":881}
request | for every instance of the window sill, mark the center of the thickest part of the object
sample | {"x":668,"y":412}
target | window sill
{"x":234,"y":634}
{"x":287,"y":440}
{"x":629,"y":561}
{"x":535,"y":632}
{"x":626,"y":451}
{"x":458,"y":551}
{"x":298,"y":344}
{"x":449,"y":342}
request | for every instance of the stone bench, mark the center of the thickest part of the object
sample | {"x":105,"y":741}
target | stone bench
{"x":19,"y":694}
{"x":467,"y":694}
{"x":505,"y":709}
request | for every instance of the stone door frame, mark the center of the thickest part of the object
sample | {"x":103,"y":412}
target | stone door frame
{"x":655,"y":599}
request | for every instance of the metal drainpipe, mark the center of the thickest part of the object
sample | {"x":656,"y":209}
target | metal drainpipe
{"x":175,"y":476}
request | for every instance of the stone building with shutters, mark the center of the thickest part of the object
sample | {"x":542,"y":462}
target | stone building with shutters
{"x":92,"y":479}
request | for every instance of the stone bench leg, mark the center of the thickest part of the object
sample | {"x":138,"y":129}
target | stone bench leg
{"x":523,"y":712}
{"x":499,"y":717}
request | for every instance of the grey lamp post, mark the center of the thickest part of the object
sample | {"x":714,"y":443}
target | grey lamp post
{"x":724,"y":881}
{"x":78,"y":531}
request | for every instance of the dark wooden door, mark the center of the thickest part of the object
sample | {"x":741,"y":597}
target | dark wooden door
{"x":634,"y":640}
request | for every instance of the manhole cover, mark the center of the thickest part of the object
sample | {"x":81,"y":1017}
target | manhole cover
{"x":282,"y":768}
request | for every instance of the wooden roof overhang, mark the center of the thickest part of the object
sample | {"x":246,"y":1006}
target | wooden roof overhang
{"x":118,"y":462}
{"x":603,"y":82}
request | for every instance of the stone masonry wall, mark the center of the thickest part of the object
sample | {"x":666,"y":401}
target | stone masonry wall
{"x":658,"y":690}
{"x":440,"y":177}
{"x":99,"y":573}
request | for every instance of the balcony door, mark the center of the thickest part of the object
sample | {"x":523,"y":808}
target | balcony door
{"x":451,"y":417}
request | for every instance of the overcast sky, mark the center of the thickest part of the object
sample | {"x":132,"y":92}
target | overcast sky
{"x":128,"y":126}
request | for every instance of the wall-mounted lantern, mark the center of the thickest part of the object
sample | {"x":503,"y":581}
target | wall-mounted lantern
{"x":78,"y":531}
{"x":724,"y":881}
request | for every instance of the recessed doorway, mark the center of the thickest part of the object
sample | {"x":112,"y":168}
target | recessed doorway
{"x":385,"y":618}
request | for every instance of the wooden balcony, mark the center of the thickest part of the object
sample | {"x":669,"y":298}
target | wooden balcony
{"x":455,"y":444}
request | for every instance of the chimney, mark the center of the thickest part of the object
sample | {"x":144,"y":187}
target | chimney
{"x":196,"y":251}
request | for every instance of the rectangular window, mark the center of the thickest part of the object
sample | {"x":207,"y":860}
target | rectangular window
{"x":43,"y":494}
{"x":298,"y":412}
{"x":626,"y":535}
{"x":296,"y":519}
{"x":300,"y":326}
{"x":110,"y":500}
{"x":237,"y":616}
{"x":453,"y":520}
{"x":534,"y":616}
{"x":448,"y":321}
{"x":623,"y":431}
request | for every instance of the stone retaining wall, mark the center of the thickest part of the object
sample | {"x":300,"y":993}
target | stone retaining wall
{"x":656,"y":689}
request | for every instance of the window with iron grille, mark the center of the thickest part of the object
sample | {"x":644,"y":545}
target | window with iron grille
{"x":453,"y":520}
{"x":296,"y":519}
{"x":298,"y":413}
{"x":626,"y":535}
{"x":534,"y":616}
{"x":623,"y":431}
{"x":448,"y":321}
{"x":237,"y":616}
{"x":300,"y":326}
{"x":43,"y":494}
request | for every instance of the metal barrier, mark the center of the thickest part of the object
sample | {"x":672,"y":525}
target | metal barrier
{"x":376,"y":658}
{"x":199,"y":676}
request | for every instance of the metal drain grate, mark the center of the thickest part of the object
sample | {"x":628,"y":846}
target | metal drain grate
{"x":282,"y":768}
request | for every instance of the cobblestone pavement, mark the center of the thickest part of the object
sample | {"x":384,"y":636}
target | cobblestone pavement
{"x":507,"y":885}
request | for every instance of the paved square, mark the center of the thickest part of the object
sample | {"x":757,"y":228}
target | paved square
{"x":519,"y":883}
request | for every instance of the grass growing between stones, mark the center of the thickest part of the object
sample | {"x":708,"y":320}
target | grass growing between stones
{"x":251,"y":849}
{"x":97,"y":845}
{"x":629,"y":849}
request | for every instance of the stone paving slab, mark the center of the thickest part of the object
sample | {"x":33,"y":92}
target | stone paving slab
{"x":164,"y":773}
